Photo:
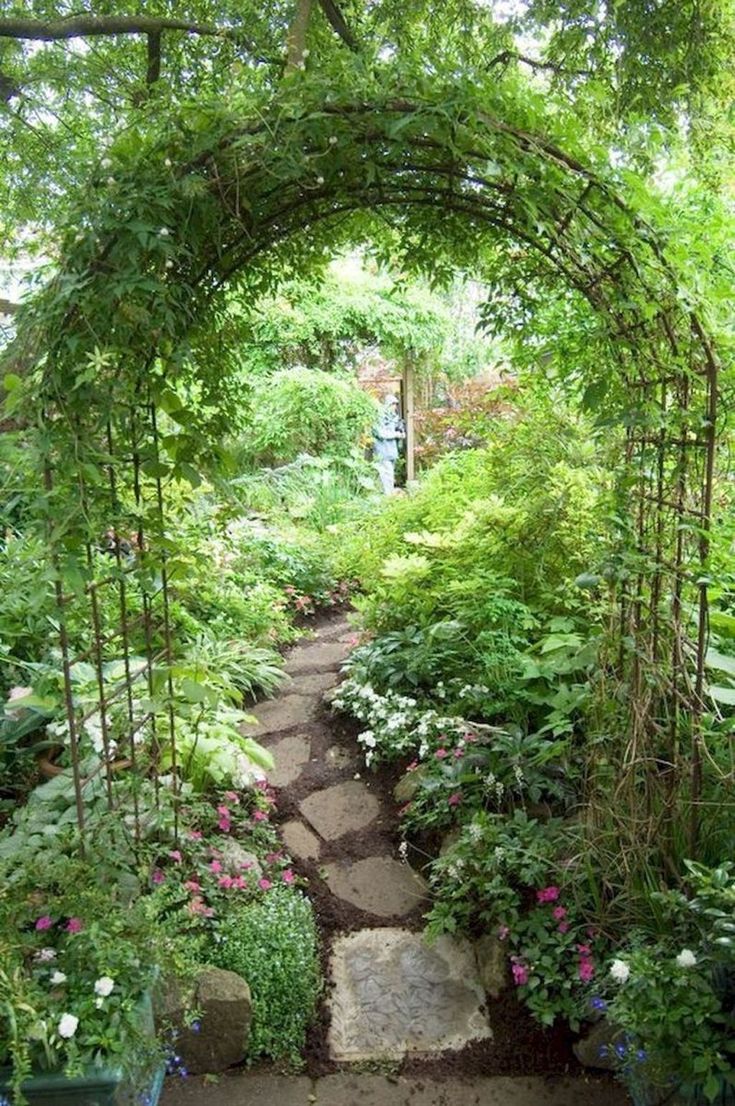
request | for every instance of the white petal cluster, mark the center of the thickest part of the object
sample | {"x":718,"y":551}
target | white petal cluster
{"x":67,"y":1026}
{"x":686,"y":959}
{"x":620,"y":971}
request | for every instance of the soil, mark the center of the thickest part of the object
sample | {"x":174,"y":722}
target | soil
{"x":519,"y":1046}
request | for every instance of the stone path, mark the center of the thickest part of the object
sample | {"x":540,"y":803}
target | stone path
{"x":391,"y":994}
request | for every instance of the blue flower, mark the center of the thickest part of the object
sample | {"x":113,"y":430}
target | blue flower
{"x":620,"y":1049}
{"x":603,"y":1051}
{"x":641,"y":1055}
{"x":598,"y":1003}
{"x":195,"y":1026}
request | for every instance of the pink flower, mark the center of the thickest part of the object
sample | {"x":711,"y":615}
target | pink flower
{"x":440,"y":754}
{"x":175,"y":856}
{"x":246,"y":864}
{"x":215,"y":866}
{"x":45,"y":922}
{"x":264,"y":884}
{"x":563,"y":927}
{"x":520,"y":973}
{"x":459,"y":753}
{"x":260,"y":816}
{"x":192,"y":885}
{"x":559,"y":913}
{"x":74,"y":925}
{"x":548,"y":894}
{"x":584,"y":950}
{"x":240,"y":883}
{"x":273,"y":858}
{"x":195,"y":835}
{"x":287,"y":876}
{"x":470,"y":738}
{"x":224,"y":824}
{"x":225,"y":882}
{"x":158,"y":876}
{"x":455,"y":798}
{"x":412,"y":766}
{"x":224,"y":811}
{"x":586,"y":969}
{"x":232,"y":797}
{"x":196,"y":906}
{"x":503,"y":932}
{"x":262,"y":785}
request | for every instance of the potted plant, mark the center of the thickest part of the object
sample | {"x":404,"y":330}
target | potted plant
{"x":78,"y":959}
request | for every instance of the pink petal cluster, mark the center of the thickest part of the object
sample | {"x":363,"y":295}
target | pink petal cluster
{"x":520,"y":971}
{"x":198,"y":906}
{"x":158,"y":876}
{"x":259,"y":816}
{"x":264,"y":884}
{"x":455,"y":799}
{"x":548,"y":894}
{"x":440,"y":754}
{"x":224,"y":818}
{"x":586,"y":966}
{"x":74,"y":925}
{"x":44,"y":922}
{"x":175,"y":856}
{"x":287,"y":875}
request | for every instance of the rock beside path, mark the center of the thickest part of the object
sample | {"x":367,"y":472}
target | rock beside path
{"x":219,"y":1038}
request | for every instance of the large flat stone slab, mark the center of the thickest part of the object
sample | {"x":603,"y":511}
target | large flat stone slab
{"x":291,"y":755}
{"x":318,"y":656}
{"x":300,"y":841}
{"x":379,"y":885}
{"x":340,"y":809}
{"x":242,"y":1088}
{"x":394,"y":994}
{"x":315,"y":684}
{"x":277,"y":715}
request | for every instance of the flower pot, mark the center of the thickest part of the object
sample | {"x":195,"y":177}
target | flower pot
{"x":99,"y":1087}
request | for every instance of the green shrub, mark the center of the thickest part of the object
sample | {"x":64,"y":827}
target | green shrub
{"x":307,"y":411}
{"x":272,"y":943}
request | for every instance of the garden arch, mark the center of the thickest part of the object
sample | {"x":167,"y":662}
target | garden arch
{"x":167,"y":224}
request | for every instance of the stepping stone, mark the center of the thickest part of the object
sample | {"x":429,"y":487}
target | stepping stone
{"x":340,"y":809}
{"x":394,"y":994}
{"x":300,"y":841}
{"x":316,"y":684}
{"x":281,"y":714}
{"x":379,"y":885}
{"x":338,"y":756}
{"x":320,"y":656}
{"x":291,"y":754}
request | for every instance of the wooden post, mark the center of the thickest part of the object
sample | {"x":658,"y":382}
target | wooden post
{"x":408,"y":405}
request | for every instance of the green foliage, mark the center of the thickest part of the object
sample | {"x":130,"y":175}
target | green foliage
{"x":272,"y":944}
{"x":306,"y":411}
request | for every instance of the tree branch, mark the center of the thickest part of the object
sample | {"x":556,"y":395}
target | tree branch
{"x":338,"y":22}
{"x":86,"y":26}
{"x":506,"y":56}
{"x":153,"y":71}
{"x":297,"y":35}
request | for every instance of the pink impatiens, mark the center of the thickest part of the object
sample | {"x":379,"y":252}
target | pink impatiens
{"x":520,"y":971}
{"x":548,"y":894}
{"x":44,"y":922}
{"x":74,"y":925}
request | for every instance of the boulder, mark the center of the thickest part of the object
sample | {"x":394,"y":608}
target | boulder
{"x":219,"y":1037}
{"x":597,"y":1048}
{"x":491,"y":955}
{"x":237,"y":860}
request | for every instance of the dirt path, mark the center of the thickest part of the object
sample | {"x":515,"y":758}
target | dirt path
{"x":392,"y":1003}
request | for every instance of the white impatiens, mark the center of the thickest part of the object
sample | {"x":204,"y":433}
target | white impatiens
{"x":44,"y":955}
{"x":58,"y":977}
{"x":67,"y":1026}
{"x":686,"y":959}
{"x":104,"y":985}
{"x":620,"y":971}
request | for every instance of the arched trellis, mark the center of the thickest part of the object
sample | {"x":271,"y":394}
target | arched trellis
{"x":190,"y":224}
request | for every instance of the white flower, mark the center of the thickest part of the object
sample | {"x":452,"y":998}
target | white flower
{"x":67,"y":1025}
{"x":620,"y":971}
{"x":106,"y":163}
{"x":169,"y":264}
{"x":44,"y":955}
{"x":320,"y":180}
{"x":58,"y":977}
{"x":333,"y":140}
{"x":103,"y":986}
{"x":167,"y":163}
{"x":110,"y":181}
{"x":164,"y":232}
{"x":686,"y":959}
{"x":403,"y":851}
{"x":99,"y":1002}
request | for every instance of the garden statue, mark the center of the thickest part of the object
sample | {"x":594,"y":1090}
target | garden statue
{"x":387,"y":432}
